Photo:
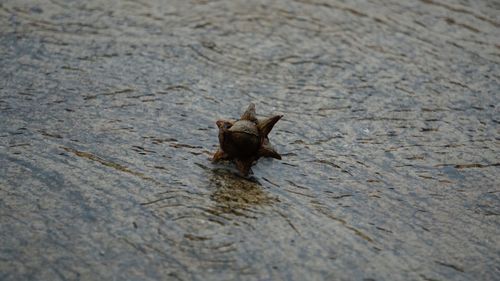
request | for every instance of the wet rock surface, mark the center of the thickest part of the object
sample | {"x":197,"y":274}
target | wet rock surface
{"x":390,"y":140}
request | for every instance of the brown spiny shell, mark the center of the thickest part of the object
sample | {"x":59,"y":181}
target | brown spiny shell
{"x":246,"y":140}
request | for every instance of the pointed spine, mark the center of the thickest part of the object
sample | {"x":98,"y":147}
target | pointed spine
{"x":244,"y":166}
{"x":269,"y":152}
{"x":265,"y":126}
{"x":249,"y":114}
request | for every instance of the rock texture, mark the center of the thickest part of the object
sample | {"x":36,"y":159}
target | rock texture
{"x":391,"y":140}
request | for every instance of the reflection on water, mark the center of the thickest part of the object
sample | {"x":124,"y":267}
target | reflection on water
{"x":235,"y":194}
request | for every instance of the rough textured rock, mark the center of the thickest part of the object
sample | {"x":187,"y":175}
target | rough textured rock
{"x":391,"y":140}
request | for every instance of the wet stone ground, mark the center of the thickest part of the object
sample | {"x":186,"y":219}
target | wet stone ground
{"x":390,"y":140}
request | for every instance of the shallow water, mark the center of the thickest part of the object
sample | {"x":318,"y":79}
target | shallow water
{"x":390,"y":140}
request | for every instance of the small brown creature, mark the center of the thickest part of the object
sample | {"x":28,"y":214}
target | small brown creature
{"x":246,"y":140}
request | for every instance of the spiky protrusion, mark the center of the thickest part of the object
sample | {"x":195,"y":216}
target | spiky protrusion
{"x":246,"y":140}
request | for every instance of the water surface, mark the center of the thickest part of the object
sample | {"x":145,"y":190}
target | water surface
{"x":390,"y":140}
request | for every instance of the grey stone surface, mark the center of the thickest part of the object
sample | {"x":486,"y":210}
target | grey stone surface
{"x":390,"y":140}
